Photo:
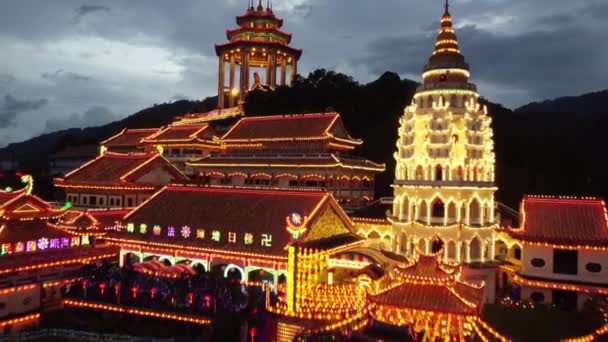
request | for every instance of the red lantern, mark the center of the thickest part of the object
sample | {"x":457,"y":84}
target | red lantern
{"x":134,"y":290}
{"x":152,"y":292}
{"x":117,"y":288}
{"x":190,"y":298}
{"x":102,"y":287}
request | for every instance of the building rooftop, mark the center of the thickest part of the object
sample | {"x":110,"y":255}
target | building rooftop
{"x":128,"y":137}
{"x":181,"y":134}
{"x":563,"y":221}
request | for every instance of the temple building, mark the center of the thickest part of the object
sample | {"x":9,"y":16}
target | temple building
{"x":181,"y":143}
{"x":118,"y":180}
{"x":559,"y":253}
{"x":291,"y":151}
{"x":258,"y":42}
{"x":37,"y":257}
{"x":127,"y":140}
{"x":237,"y":229}
{"x":444,"y":178}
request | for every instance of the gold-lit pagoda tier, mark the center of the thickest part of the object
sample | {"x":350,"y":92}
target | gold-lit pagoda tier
{"x":258,"y":42}
{"x":444,"y":178}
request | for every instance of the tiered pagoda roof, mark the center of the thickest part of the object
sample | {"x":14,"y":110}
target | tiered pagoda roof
{"x":428,"y":285}
{"x":229,"y":220}
{"x":563,"y":221}
{"x":447,"y":53}
{"x":258,"y":25}
{"x":119,"y":170}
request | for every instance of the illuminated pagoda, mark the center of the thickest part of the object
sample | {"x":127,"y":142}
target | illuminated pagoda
{"x":291,"y":151}
{"x":36,"y":257}
{"x":239,"y":230}
{"x":559,"y":254}
{"x":258,"y":42}
{"x":444,"y":178}
{"x":117,"y":180}
{"x":127,"y":140}
{"x":180,"y":143}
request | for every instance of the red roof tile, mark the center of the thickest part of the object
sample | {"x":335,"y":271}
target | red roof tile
{"x":128,"y":137}
{"x":31,"y":230}
{"x":563,"y":221}
{"x":115,"y":168}
{"x":288,"y":127}
{"x":227,"y":210}
{"x":182,"y":133}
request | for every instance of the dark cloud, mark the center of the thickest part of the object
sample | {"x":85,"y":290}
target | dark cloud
{"x":94,"y":116}
{"x":61,"y":75}
{"x":543,"y":63}
{"x":303,"y":10}
{"x":10,"y":108}
{"x":85,"y":10}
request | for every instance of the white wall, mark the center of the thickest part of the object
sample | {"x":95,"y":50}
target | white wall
{"x":584,"y":257}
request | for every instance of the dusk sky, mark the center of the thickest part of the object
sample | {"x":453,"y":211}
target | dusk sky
{"x":73,"y":63}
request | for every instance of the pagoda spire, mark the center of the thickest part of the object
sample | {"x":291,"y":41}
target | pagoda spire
{"x":260,"y":7}
{"x":446,"y":52}
{"x":447,"y":7}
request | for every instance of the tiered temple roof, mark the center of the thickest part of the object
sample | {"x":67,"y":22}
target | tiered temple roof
{"x":119,"y":170}
{"x":563,"y":221}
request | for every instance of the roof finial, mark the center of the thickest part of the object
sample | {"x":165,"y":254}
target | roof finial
{"x":260,"y":7}
{"x":447,"y":7}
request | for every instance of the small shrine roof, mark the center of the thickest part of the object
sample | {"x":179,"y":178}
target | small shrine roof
{"x":430,"y":285}
{"x":563,"y":221}
{"x":289,"y":128}
{"x":232,"y":219}
{"x":118,"y":169}
{"x":128,"y":137}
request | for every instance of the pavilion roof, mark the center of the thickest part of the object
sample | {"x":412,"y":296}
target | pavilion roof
{"x":430,"y":285}
{"x":233,"y":213}
{"x":289,"y":128}
{"x":563,"y":221}
{"x":128,"y":137}
{"x":181,"y":134}
{"x":118,"y":169}
{"x":23,"y":205}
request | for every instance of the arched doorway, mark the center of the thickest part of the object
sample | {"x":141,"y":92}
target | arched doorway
{"x":260,"y":275}
{"x":419,"y":172}
{"x":438,"y":173}
{"x":475,"y":250}
{"x":474,"y":211}
{"x":437,"y":245}
{"x":234,"y":272}
{"x":438,"y":211}
{"x":422,"y":212}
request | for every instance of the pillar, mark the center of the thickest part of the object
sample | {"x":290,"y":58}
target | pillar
{"x":220,"y":85}
{"x":293,"y":71}
{"x":273,"y":69}
{"x":231,"y":97}
{"x":492,"y":249}
{"x":445,"y":252}
{"x":459,"y":252}
{"x":244,"y":73}
{"x":121,"y":258}
{"x":467,"y":253}
{"x":283,"y":70}
{"x":427,"y":246}
{"x":269,"y":68}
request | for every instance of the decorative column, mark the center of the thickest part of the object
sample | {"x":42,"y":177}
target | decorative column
{"x":283,"y":70}
{"x":268,"y":78}
{"x":220,"y":85}
{"x":231,"y":97}
{"x":467,"y":252}
{"x":293,"y":71}
{"x":244,"y":79}
{"x":427,"y":246}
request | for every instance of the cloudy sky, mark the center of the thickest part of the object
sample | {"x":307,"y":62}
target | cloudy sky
{"x":70,"y":63}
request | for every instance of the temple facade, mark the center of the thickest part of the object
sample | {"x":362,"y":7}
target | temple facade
{"x":258,"y":42}
{"x":444,"y":178}
{"x":290,"y":152}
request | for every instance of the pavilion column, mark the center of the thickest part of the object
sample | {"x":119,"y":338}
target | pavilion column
{"x":459,"y":252}
{"x":445,"y":253}
{"x":427,"y":246}
{"x":273,"y":69}
{"x":283,"y":70}
{"x":220,"y":85}
{"x":232,"y":72}
{"x":492,"y":249}
{"x":244,"y":79}
{"x":292,"y":72}
{"x":268,"y":79}
{"x":467,"y":253}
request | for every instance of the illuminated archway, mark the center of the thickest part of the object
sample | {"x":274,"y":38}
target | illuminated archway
{"x":231,"y":269}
